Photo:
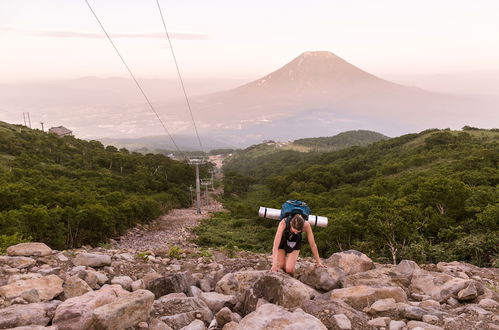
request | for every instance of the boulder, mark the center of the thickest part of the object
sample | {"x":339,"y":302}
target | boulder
{"x":225,"y":315}
{"x":26,"y":276}
{"x":270,"y":316}
{"x":163,"y":285}
{"x":350,"y":261}
{"x":426,"y":326}
{"x":396,"y":325}
{"x":470,"y":292}
{"x":195,"y":325}
{"x":362,"y":296}
{"x":92,"y":260}
{"x":77,"y":312}
{"x":216,"y":301}
{"x":124,"y":281}
{"x":138,"y":285}
{"x":74,"y":287}
{"x":383,"y":307}
{"x":488,"y":303}
{"x":31,"y":314}
{"x":438,"y":286}
{"x":17,"y":262}
{"x":124,"y":312}
{"x":178,"y":312}
{"x":379,"y":322}
{"x":324,"y":279}
{"x":157,"y":324}
{"x":29,"y":249}
{"x":324,"y":309}
{"x":406,"y":267}
{"x":277,"y":288}
{"x":378,"y":277}
{"x":342,"y":322}
{"x":237,"y":283}
{"x":48,"y":287}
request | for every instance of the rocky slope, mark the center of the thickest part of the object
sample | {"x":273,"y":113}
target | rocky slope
{"x":143,"y":281}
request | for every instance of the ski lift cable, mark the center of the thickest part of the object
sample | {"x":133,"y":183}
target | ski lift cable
{"x":179,"y":75}
{"x":134,"y":79}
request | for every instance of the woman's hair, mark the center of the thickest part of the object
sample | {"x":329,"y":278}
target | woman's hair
{"x":297,"y":222}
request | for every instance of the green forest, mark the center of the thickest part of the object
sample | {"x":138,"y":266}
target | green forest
{"x":68,"y":192}
{"x":429,"y":197}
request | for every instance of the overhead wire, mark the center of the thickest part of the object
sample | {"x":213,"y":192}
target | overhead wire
{"x":179,"y":75}
{"x":135,"y":80}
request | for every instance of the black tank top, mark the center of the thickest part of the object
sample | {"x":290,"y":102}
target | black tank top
{"x":290,"y":241}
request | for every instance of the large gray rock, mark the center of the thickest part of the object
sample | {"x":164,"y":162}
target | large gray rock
{"x":378,"y":277}
{"x":29,"y":249}
{"x":270,"y":316}
{"x":178,"y":312}
{"x":238,"y":283}
{"x":48,"y":287}
{"x":124,"y":281}
{"x":24,"y":315}
{"x":350,"y":261}
{"x":17,"y":262}
{"x":195,"y":325}
{"x":217,"y":301}
{"x":277,"y":288}
{"x":163,"y":285}
{"x":324,"y":279}
{"x":324,"y":309}
{"x":225,"y":315}
{"x":361,"y":296}
{"x":406,"y":267}
{"x":124,"y":312}
{"x":92,"y":260}
{"x":77,"y":313}
{"x":74,"y":287}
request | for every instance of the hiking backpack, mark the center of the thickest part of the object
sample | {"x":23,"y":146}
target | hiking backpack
{"x":292,"y":207}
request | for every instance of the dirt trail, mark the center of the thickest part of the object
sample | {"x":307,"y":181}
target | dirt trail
{"x":173,"y":228}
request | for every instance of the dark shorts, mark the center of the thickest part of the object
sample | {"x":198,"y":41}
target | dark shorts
{"x":289,"y":247}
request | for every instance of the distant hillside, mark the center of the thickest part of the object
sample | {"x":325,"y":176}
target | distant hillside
{"x":342,"y":140}
{"x":67,"y":192}
{"x":430,"y":197}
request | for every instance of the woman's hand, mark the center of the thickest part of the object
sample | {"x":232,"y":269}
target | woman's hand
{"x":320,"y":264}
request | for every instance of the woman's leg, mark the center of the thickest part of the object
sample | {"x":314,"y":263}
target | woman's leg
{"x":281,"y":259}
{"x":291,"y":261}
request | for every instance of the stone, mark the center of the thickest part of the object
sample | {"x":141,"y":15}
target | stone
{"x":124,"y":312}
{"x":92,"y":260}
{"x":34,"y":327}
{"x":362,"y":296}
{"x":204,"y":284}
{"x":231,"y":326}
{"x":426,"y":326}
{"x":216,"y":301}
{"x":342,"y":321}
{"x":31,"y":296}
{"x":138,"y":285}
{"x":157,"y":324}
{"x":432,"y":319}
{"x":323,"y":308}
{"x":74,"y":287}
{"x":468,"y":293}
{"x":195,"y":325}
{"x":19,"y":277}
{"x":17,"y":262}
{"x":270,"y":316}
{"x":196,"y":292}
{"x":379,"y":322}
{"x":77,"y":312}
{"x":178,"y":312}
{"x":48,"y":287}
{"x":238,"y":283}
{"x":277,"y":288}
{"x":452,"y":301}
{"x":383,"y":306}
{"x":101,"y":278}
{"x":412,"y":312}
{"x":29,"y":249}
{"x":324,"y":279}
{"x":488,"y":303}
{"x":124,"y":281}
{"x":163,"y":285}
{"x":30,"y":314}
{"x":350,"y":261}
{"x":378,"y":277}
{"x":225,"y":315}
{"x":62,"y":257}
{"x":396,"y":325}
{"x":406,"y":267}
{"x":429,"y":303}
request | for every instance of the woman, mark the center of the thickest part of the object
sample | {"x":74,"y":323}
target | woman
{"x":287,"y":244}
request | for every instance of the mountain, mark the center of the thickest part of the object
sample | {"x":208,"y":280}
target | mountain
{"x":343,"y":140}
{"x":319,"y":93}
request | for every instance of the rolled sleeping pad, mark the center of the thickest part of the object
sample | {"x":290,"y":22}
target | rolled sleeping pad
{"x":314,"y":220}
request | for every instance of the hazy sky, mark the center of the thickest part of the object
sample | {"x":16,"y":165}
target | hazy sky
{"x":52,"y":39}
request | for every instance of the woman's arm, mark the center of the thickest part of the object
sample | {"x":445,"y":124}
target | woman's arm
{"x":277,"y":241}
{"x":311,"y":241}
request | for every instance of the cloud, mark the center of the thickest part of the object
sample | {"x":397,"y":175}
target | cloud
{"x":72,"y":34}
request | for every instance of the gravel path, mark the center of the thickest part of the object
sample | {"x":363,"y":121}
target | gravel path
{"x":173,"y":228}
